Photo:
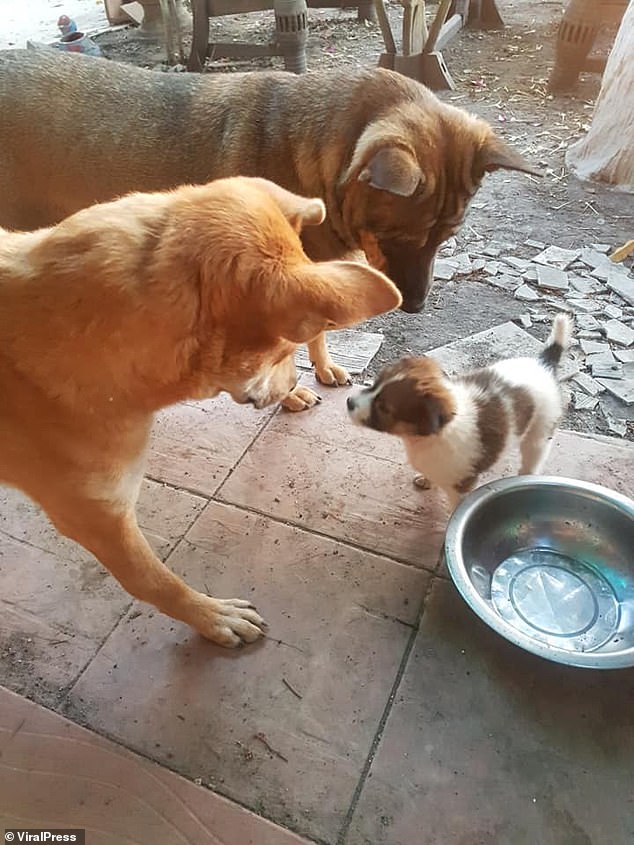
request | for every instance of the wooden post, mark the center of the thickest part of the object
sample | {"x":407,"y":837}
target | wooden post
{"x":606,"y":153}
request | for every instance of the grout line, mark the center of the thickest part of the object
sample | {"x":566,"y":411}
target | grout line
{"x":252,"y":443}
{"x":173,"y":485}
{"x":209,"y":496}
{"x":322,"y":534}
{"x":291,"y":524}
{"x":341,"y":838}
{"x":68,"y":689}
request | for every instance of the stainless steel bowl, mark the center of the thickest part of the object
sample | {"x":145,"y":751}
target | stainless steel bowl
{"x":549,"y":564}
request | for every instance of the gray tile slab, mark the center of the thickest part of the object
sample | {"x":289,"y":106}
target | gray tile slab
{"x":478,"y":350}
{"x":489,"y":745}
{"x":350,"y":348}
{"x":622,"y":284}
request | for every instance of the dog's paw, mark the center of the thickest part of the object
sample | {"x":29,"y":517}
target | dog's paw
{"x":332,"y":375}
{"x":228,"y":622}
{"x":422,"y":483}
{"x":300,"y":399}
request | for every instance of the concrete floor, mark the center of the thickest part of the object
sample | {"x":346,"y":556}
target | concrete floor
{"x":378,"y":710}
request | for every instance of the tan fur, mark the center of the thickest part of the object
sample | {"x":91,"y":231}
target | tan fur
{"x":127,"y":307}
{"x":395,"y":166}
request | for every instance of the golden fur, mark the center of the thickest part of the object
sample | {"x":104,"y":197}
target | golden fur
{"x":130,"y":306}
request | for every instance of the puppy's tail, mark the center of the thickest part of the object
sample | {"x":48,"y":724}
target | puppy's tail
{"x":557,"y":343}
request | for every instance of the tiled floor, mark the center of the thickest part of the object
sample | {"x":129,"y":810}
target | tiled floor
{"x":378,"y":710}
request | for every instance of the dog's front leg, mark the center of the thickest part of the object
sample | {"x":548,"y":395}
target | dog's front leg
{"x":326,"y":370}
{"x":113,"y":536}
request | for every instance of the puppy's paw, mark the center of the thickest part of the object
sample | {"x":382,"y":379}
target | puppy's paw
{"x":332,"y":375}
{"x":300,"y":399}
{"x":228,"y":622}
{"x":422,"y":483}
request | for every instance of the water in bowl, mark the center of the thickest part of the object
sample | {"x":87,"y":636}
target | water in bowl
{"x":555,"y":599}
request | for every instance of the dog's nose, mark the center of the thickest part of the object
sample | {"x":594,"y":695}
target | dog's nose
{"x":350,"y":403}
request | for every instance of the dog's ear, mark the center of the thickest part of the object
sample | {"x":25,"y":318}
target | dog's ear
{"x":437,"y":412}
{"x":419,"y":399}
{"x":299,"y":211}
{"x":331,"y":295}
{"x":394,"y":169}
{"x":495,"y":154}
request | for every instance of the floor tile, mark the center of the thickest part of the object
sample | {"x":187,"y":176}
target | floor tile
{"x":320,"y":471}
{"x":313,"y":691}
{"x":489,"y":744}
{"x":58,"y":603}
{"x":601,"y":460}
{"x":195,"y":444}
{"x":57,"y":774}
{"x":164,"y":515}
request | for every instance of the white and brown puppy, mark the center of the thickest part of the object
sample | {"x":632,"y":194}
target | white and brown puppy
{"x":455,"y":428}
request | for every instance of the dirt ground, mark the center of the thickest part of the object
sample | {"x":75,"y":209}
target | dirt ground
{"x":501,"y":76}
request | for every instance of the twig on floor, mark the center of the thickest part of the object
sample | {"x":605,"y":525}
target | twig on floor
{"x":262,"y":738}
{"x":292,"y":689}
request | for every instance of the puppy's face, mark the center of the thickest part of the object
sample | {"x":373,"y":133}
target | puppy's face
{"x":411,"y":179}
{"x":409,"y":398}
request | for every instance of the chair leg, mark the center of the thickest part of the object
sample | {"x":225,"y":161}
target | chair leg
{"x":200,"y":36}
{"x":366,"y":11}
{"x":478,"y":14}
{"x":291,"y":24}
{"x":414,"y":27}
{"x":489,"y":17}
{"x":575,"y":37}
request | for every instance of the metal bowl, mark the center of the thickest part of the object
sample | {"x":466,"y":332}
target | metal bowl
{"x":549,"y":564}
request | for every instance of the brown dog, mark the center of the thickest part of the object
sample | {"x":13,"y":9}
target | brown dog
{"x":395,"y":166}
{"x":127,"y":307}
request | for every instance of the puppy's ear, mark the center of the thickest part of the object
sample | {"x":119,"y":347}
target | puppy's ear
{"x":332,"y":295}
{"x":394,"y":169}
{"x":437,"y":412}
{"x":415,"y":397}
{"x":495,"y":154}
{"x":299,"y":211}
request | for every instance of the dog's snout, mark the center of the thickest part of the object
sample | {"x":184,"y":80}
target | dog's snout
{"x":351,"y":403}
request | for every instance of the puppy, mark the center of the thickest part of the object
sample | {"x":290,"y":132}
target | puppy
{"x":455,"y":428}
{"x":127,"y":307}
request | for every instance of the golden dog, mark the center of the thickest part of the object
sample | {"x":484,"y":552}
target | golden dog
{"x":127,"y":307}
{"x":395,"y":166}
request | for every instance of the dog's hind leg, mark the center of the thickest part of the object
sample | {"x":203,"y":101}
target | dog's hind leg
{"x":112,"y":534}
{"x":534,"y":449}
